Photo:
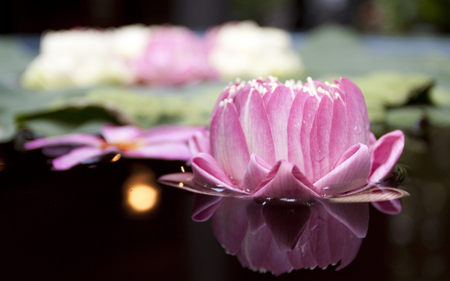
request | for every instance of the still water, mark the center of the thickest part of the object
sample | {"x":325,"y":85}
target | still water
{"x":112,"y":221}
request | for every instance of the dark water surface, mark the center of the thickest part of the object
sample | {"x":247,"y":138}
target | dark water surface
{"x":75,"y":225}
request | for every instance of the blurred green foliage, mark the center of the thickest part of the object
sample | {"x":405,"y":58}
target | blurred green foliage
{"x":401,"y":90}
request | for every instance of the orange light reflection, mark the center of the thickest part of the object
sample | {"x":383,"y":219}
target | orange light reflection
{"x":142,"y":197}
{"x":141,"y":193}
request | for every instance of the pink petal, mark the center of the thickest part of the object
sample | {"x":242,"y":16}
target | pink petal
{"x":186,"y":181}
{"x":255,"y":217}
{"x":277,"y":261}
{"x":319,"y":236}
{"x":255,"y":125}
{"x":118,"y":134}
{"x":228,"y":145}
{"x":351,"y":245}
{"x":302,"y":256}
{"x":371,"y":194}
{"x":307,"y":120}
{"x":77,"y":156}
{"x":167,"y":151}
{"x":286,"y":223}
{"x":278,"y":109}
{"x":209,"y":175}
{"x":171,"y":133}
{"x":204,"y":207}
{"x":349,"y":174}
{"x":354,"y":216}
{"x":385,"y":154}
{"x":320,"y":138}
{"x":223,"y":96}
{"x":207,"y":179}
{"x":392,"y":207}
{"x":338,"y":134}
{"x":286,"y":181}
{"x":79,"y":138}
{"x":230,"y":213}
{"x":294,"y":130}
{"x":257,"y":171}
{"x":199,"y":142}
{"x":255,"y":248}
{"x":357,"y":117}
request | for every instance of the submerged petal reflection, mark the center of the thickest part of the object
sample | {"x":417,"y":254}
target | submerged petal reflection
{"x":282,"y":237}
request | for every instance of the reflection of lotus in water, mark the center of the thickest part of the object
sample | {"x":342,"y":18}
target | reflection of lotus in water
{"x":282,"y":237}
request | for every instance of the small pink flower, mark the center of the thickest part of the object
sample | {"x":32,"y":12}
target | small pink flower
{"x":303,"y":143}
{"x":173,"y":56}
{"x":164,"y":142}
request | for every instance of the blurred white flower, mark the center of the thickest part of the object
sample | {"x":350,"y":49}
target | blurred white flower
{"x":85,"y":57}
{"x":129,"y":41}
{"x":243,"y":49}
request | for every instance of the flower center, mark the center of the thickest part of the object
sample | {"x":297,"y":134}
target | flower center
{"x":125,"y":145}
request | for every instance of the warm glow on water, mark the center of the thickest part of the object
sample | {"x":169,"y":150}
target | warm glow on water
{"x":142,"y":197}
{"x":141,"y":193}
{"x":116,"y":158}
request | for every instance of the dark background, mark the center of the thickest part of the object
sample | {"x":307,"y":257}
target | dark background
{"x":373,"y":16}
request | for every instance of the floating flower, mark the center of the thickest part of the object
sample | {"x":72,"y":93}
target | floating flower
{"x":174,"y":55}
{"x":164,"y":142}
{"x":244,"y":49}
{"x":304,"y":143}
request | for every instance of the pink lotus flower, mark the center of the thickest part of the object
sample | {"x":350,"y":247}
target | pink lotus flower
{"x":301,"y":143}
{"x":174,"y":56}
{"x":164,"y":142}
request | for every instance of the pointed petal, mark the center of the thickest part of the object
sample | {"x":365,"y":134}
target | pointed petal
{"x":255,"y":124}
{"x":385,"y":154}
{"x":278,"y":109}
{"x":354,"y":216}
{"x":77,"y":156}
{"x":338,"y":134}
{"x":286,"y":181}
{"x":257,"y":171}
{"x":307,"y":120}
{"x":167,"y":151}
{"x":228,"y":145}
{"x":204,"y":207}
{"x":392,"y":207}
{"x":80,"y":138}
{"x":209,"y":175}
{"x":352,"y":171}
{"x":372,"y":194}
{"x":199,"y":142}
{"x":230,"y":213}
{"x":117,"y":134}
{"x":286,"y":223}
{"x":320,"y":138}
{"x":207,"y":178}
{"x":301,"y":103}
{"x":357,"y":117}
